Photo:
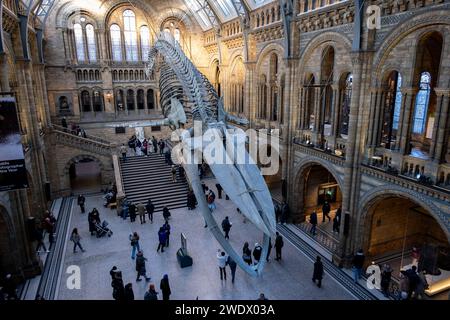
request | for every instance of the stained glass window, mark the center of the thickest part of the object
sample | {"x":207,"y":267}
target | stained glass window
{"x":79,"y":42}
{"x":131,"y":46}
{"x":422,"y":101}
{"x":116,"y":43}
{"x":92,"y":47}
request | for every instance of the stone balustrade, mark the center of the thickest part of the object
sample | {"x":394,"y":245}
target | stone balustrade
{"x":91,"y":144}
{"x":318,"y":153}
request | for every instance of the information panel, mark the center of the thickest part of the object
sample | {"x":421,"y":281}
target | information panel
{"x":13,"y":173}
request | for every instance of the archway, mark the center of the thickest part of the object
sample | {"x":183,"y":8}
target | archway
{"x":393,"y":226}
{"x":85,"y":175}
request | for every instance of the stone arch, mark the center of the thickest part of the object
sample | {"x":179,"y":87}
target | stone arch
{"x":273,"y":47}
{"x":110,"y":6}
{"x":78,"y":158}
{"x":103,"y":167}
{"x":314,"y":43}
{"x":182,"y":16}
{"x":433,"y":17}
{"x":376,"y":194}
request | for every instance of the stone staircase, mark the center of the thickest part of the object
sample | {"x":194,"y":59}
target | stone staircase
{"x":151,"y":178}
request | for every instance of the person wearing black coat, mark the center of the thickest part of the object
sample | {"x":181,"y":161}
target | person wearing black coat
{"x":233,"y":265}
{"x":219,"y":190}
{"x":278,"y":246}
{"x":386,"y":275}
{"x":318,"y":272}
{"x":132,"y":212}
{"x":326,"y":211}
{"x":257,"y":253}
{"x":129,"y":294}
{"x":226,"y":227}
{"x":81,"y":201}
{"x":313,"y":221}
{"x":150,"y":207}
{"x":118,"y":288}
{"x":166,"y":228}
{"x":166,"y":214}
{"x":191,"y":200}
{"x":165,"y":287}
{"x":140,"y":267}
{"x":247,"y":254}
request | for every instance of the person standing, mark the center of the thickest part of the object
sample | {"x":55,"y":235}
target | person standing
{"x":269,"y":250}
{"x":326,"y":211}
{"x":150,"y":207}
{"x":166,"y":214}
{"x":257,"y":253}
{"x":123,"y":151}
{"x":76,"y":238}
{"x":278,"y":246}
{"x":358,"y":263}
{"x":162,"y":239}
{"x":162,"y":146}
{"x":422,"y":285}
{"x":151,"y":294}
{"x":386,"y":276}
{"x":81,"y":201}
{"x":129,"y":294}
{"x":247,"y":254}
{"x":155,"y":144}
{"x":191,"y":200}
{"x":277,"y":212}
{"x":414,"y":281}
{"x":174,"y":173}
{"x":337,"y":220}
{"x":145,"y":147}
{"x":141,"y":211}
{"x":313,"y":221}
{"x":64,"y":123}
{"x":134,"y":242}
{"x":222,"y":262}
{"x":219,"y":190}
{"x":40,"y":240}
{"x":49,"y":226}
{"x":140,"y":267}
{"x":132,"y":212}
{"x":233,"y":265}
{"x":226,"y":227}
{"x":118,"y":288}
{"x":165,"y":287}
{"x":318,"y":272}
{"x":284,"y":212}
{"x":166,"y":228}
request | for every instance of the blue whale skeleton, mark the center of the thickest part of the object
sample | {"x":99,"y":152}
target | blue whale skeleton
{"x":186,"y":93}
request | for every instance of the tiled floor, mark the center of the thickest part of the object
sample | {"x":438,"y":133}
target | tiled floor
{"x":290,"y":279}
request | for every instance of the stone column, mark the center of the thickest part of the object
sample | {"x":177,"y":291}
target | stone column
{"x":377,"y":121}
{"x":442,"y":125}
{"x":4,"y":73}
{"x":406,"y":119}
{"x":337,"y":110}
{"x":45,"y":94}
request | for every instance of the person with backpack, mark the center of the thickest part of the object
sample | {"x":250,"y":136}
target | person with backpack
{"x":134,"y":242}
{"x":226,"y":227}
{"x":278,"y":246}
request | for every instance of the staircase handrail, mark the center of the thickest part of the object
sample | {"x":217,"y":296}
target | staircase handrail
{"x":73,"y":133}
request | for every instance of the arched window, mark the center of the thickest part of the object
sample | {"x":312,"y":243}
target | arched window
{"x":85,"y":101}
{"x":150,"y":99}
{"x":145,"y":42}
{"x":98,"y":101}
{"x":91,"y":44}
{"x":79,"y":42}
{"x":130,"y":100}
{"x":140,"y":99}
{"x":131,"y":47}
{"x":177,"y":35}
{"x":345,"y":110}
{"x":422,"y":102}
{"x":116,"y":43}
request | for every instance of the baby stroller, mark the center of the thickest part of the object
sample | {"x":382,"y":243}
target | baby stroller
{"x":102,"y":229}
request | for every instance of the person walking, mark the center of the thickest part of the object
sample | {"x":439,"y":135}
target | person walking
{"x":326,"y":211}
{"x":141,"y":211}
{"x":132,"y":212}
{"x":166,"y":228}
{"x":162,"y":239}
{"x":165,"y":287}
{"x":166,"y":214}
{"x":226,"y":227}
{"x":140,"y":267}
{"x":257,"y":253}
{"x":337,"y":220}
{"x":151,"y":294}
{"x":129,"y":294}
{"x":313,"y":221}
{"x":174,"y":173}
{"x":155,"y":144}
{"x":222,"y":262}
{"x":38,"y":234}
{"x":318,"y":272}
{"x":386,"y":275}
{"x":162,"y":146}
{"x":150,"y":207}
{"x":191,"y":200}
{"x":269,"y":250}
{"x":76,"y":238}
{"x":219,"y":190}
{"x":233,"y":266}
{"x":247,"y":254}
{"x":145,"y":147}
{"x":134,"y":242}
{"x":358,"y":263}
{"x":278,"y":246}
{"x":123,"y":151}
{"x":81,"y":201}
{"x":49,"y":226}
